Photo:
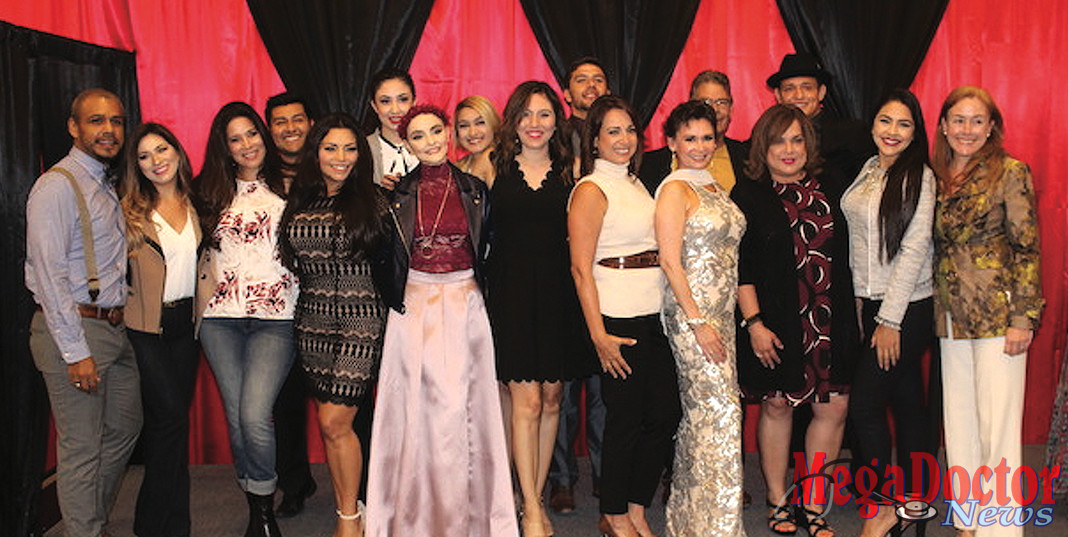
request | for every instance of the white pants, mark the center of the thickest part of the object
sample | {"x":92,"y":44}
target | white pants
{"x":983,"y":394}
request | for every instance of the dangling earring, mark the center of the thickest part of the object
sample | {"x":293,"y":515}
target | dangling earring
{"x":595,"y":151}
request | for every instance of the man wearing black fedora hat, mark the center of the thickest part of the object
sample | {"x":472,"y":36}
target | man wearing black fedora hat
{"x":801,"y":81}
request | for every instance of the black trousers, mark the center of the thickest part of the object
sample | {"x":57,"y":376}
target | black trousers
{"x":642,"y":413}
{"x":901,"y":388}
{"x":168,"y":367}
{"x":290,"y":433}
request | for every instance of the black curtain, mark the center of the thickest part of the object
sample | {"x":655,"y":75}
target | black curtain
{"x":638,"y":41}
{"x":869,"y":47}
{"x":40,"y":74}
{"x":327,"y":50}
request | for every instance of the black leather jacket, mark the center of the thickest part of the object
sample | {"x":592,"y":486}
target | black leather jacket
{"x":473,"y":195}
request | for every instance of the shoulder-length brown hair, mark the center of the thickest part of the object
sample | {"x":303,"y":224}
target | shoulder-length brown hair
{"x":139,"y":195}
{"x":769,"y":129}
{"x":508,"y":141}
{"x":215,"y":187}
{"x":992,"y":154}
{"x":594,"y":120}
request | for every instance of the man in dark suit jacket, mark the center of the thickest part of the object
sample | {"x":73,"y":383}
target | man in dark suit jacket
{"x":728,"y":162}
{"x":845,"y":144}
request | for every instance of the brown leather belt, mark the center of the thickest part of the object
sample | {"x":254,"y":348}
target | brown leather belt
{"x":113,"y":315}
{"x":646,"y":259}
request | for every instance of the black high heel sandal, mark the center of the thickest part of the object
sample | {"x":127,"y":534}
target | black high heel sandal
{"x":781,"y":514}
{"x":814,"y":522}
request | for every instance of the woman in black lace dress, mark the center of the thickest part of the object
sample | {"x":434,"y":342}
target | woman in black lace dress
{"x":333,"y":229}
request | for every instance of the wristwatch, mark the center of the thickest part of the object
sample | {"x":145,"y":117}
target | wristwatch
{"x":751,"y":320}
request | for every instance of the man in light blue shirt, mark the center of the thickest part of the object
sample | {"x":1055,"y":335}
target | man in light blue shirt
{"x":77,"y":336}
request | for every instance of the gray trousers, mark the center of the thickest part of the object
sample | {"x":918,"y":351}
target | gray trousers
{"x":96,"y":431}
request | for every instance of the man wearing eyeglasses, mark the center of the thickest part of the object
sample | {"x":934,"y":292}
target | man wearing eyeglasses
{"x":728,"y":160}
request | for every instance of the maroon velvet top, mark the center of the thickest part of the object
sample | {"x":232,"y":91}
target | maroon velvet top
{"x":446,"y":248}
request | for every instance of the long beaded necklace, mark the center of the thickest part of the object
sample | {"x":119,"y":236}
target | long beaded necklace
{"x":425,"y":243}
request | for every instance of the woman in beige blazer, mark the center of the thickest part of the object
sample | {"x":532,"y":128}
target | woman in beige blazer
{"x":163,"y":234}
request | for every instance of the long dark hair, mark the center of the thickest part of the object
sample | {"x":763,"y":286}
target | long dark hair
{"x":139,"y":195}
{"x":358,"y":205}
{"x":769,"y":128}
{"x":897,"y":208}
{"x":508,"y":146}
{"x":595,"y":118}
{"x":215,"y":187}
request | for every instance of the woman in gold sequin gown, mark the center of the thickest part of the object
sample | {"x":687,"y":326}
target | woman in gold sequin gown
{"x":698,"y":229}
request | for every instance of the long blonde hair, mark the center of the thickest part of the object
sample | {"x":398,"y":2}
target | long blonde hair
{"x":139,"y":195}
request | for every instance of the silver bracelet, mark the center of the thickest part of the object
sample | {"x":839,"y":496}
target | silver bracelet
{"x":694,"y":322}
{"x":887,"y":323}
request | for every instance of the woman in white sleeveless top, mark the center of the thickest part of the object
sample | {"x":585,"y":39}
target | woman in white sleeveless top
{"x":620,"y":287}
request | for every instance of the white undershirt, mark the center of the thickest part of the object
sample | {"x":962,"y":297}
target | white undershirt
{"x":179,"y":256}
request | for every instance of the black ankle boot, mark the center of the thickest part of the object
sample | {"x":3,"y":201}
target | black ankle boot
{"x":261,"y":522}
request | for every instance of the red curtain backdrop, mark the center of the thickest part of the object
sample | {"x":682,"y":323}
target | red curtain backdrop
{"x":193,"y":56}
{"x":1017,"y":51}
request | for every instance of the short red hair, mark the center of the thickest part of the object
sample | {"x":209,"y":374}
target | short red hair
{"x":418,"y":110}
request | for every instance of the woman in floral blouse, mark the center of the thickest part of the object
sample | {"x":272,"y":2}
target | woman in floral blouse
{"x":246,"y":296}
{"x":988,"y":295}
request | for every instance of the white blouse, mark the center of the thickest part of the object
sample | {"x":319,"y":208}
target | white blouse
{"x":179,"y":258}
{"x":393,"y":159}
{"x":251,"y":280}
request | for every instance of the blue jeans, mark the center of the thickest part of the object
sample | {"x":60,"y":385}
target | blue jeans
{"x":250,"y":358}
{"x":564,"y":470}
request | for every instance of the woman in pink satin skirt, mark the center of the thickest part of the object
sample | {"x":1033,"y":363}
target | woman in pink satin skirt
{"x":439,"y":464}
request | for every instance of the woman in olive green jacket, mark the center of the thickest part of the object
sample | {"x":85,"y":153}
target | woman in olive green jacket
{"x":988,"y":294}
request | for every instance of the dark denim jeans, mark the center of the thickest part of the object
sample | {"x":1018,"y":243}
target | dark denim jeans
{"x":901,"y":389}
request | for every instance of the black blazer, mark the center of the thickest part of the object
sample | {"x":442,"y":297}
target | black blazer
{"x":766,"y":260}
{"x":656,"y":164}
{"x":402,"y":208}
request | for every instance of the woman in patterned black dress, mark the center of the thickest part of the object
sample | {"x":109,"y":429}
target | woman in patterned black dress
{"x":799,"y":332}
{"x":333,"y":230}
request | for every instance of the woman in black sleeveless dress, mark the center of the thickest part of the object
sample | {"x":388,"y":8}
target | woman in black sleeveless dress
{"x":538,"y":333}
